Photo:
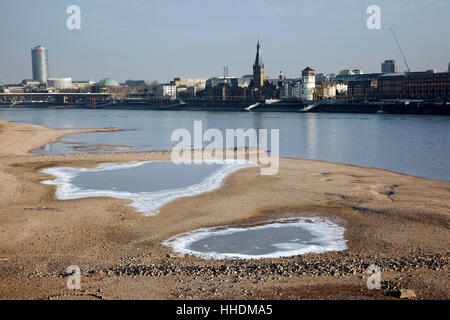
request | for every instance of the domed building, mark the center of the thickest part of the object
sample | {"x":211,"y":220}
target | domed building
{"x":107,"y":82}
{"x":108,"y":85}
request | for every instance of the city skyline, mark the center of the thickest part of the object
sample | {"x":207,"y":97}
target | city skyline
{"x":112,"y":44}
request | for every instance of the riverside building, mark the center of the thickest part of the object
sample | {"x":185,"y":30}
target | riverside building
{"x":60,"y":83}
{"x":166,"y":91}
{"x":308,"y":84}
{"x":414,"y":85}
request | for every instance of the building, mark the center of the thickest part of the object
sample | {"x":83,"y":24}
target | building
{"x":304,"y":88}
{"x":258,"y":69}
{"x":325,"y":90}
{"x":30,"y":83}
{"x":230,"y":81}
{"x":60,"y":83}
{"x":12,"y":88}
{"x":341,"y":89}
{"x":390,"y":86}
{"x":182,"y":91}
{"x":362,"y":89}
{"x":290,"y":89}
{"x":166,"y":91}
{"x":345,"y":72}
{"x":215,"y":81}
{"x":189,"y":82}
{"x":415,"y":85}
{"x":226,"y":92}
{"x":356,"y":76}
{"x":322,"y":77}
{"x":426,"y":85}
{"x":187,"y":87}
{"x":284,"y":91}
{"x":83,"y":86}
{"x":223,"y":88}
{"x":39,"y":61}
{"x":109,"y":85}
{"x":388,"y":66}
{"x":136,"y":83}
{"x":308,"y":84}
{"x":295,"y":89}
{"x":26,"y":86}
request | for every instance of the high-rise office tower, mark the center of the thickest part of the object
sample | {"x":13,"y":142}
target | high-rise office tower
{"x":39,"y":60}
{"x":388,"y":66}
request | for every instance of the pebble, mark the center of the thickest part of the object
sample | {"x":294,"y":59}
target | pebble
{"x":407,"y":294}
{"x":338,"y":267}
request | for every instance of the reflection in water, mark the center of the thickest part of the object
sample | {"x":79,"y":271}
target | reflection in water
{"x":311,"y":136}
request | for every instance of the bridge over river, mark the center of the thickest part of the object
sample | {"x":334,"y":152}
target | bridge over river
{"x":54,"y":98}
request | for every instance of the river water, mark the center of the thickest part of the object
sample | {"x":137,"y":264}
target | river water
{"x":415,"y":145}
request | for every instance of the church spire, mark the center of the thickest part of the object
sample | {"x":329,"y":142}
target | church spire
{"x":258,"y":60}
{"x":258,"y":69}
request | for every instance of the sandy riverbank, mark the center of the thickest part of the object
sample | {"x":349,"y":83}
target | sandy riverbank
{"x":396,"y":221}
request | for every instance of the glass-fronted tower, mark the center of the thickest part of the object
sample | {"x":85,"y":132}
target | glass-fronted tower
{"x":39,"y":60}
{"x":388,"y":66}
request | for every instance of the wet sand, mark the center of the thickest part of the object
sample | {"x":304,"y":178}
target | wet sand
{"x":398,"y":222}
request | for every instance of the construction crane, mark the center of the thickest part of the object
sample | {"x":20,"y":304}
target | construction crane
{"x":399,"y":48}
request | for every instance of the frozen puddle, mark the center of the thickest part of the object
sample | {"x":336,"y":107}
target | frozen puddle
{"x":281,"y":238}
{"x":150,"y":184}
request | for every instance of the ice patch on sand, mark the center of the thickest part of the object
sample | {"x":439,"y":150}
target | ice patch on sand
{"x":146,"y":202}
{"x":326,"y":236}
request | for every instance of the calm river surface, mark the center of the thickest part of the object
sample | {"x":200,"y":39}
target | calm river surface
{"x":415,"y":145}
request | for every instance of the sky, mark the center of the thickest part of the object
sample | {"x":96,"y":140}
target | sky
{"x":163,"y":39}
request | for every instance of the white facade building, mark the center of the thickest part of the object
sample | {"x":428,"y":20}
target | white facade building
{"x":60,"y":83}
{"x":166,"y":91}
{"x":308,"y":84}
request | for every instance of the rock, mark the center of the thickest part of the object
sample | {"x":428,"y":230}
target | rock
{"x":402,"y":294}
{"x":176,"y":255}
{"x":407,"y":294}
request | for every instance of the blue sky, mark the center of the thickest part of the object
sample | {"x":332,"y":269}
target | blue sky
{"x":162,"y":39}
